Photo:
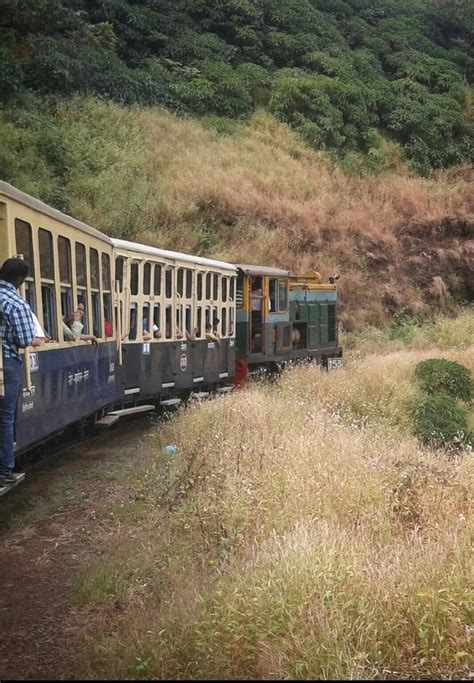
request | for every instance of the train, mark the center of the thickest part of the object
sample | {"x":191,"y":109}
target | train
{"x":167,"y":325}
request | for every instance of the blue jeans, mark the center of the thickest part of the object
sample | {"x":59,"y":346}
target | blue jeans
{"x":13,"y":380}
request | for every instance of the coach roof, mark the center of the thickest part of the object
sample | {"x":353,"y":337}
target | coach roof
{"x":174,"y":255}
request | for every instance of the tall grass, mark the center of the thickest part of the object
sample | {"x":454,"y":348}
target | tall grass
{"x":257,"y":195}
{"x":299,"y":531}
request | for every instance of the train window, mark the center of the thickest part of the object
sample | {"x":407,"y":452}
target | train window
{"x":106,"y":272}
{"x":208,"y":286}
{"x":179,"y":282}
{"x":156,"y":320}
{"x":169,"y":283}
{"x":282,"y":295}
{"x":189,"y":283}
{"x":64,"y":251}
{"x":199,"y":332}
{"x":157,"y":280}
{"x":224,"y":288}
{"x":187,"y":321}
{"x":82,"y":299}
{"x":232,"y":288}
{"x":119,"y":267}
{"x":146,"y":278}
{"x":146,"y":327}
{"x":179,"y":317}
{"x":66,"y":301}
{"x":24,"y":243}
{"x":49,"y":310}
{"x":45,"y":239}
{"x":94,"y":262}
{"x":169,"y":322}
{"x":108,"y":327}
{"x":96,"y":323}
{"x":231,"y":322}
{"x":81,"y":275}
{"x":215,"y":292}
{"x":239,"y":299}
{"x":134,"y":279}
{"x":132,"y":335}
{"x":224,"y":321}
{"x":273,"y":294}
{"x":199,"y":286}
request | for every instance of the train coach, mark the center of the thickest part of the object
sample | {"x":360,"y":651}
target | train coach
{"x":164,"y":325}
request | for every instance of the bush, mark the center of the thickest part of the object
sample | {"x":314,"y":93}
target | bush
{"x":439,"y":421}
{"x":440,"y":376}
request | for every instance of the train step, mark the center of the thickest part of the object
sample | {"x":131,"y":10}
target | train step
{"x":200,"y":394}
{"x":7,"y":487}
{"x":225,"y":390}
{"x":107,"y":420}
{"x":170,"y":402}
{"x":131,"y":411}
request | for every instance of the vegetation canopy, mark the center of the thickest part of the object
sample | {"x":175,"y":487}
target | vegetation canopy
{"x":342,"y":73}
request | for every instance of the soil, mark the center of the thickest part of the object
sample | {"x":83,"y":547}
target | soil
{"x":41,"y":560}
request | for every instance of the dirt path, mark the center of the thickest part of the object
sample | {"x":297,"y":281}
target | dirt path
{"x":48,"y":540}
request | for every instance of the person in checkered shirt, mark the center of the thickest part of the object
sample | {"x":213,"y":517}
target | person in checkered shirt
{"x":17,"y":332}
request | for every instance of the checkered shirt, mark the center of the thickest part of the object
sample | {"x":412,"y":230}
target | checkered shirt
{"x":16,"y":322}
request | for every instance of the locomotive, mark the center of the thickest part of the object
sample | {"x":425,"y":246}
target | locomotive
{"x":168,"y":325}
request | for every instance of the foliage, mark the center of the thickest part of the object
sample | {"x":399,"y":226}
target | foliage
{"x":439,"y":421}
{"x":438,"y":375}
{"x":334,"y":70}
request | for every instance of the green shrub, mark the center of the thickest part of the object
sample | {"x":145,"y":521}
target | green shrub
{"x":439,"y":421}
{"x":440,"y":376}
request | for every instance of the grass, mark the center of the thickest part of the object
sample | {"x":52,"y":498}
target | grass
{"x":298,"y":532}
{"x":259,"y":195}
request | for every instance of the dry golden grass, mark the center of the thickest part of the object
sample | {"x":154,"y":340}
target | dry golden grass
{"x":261,"y":195}
{"x":299,"y":531}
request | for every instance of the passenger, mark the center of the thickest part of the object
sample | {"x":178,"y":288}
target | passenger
{"x":156,"y":332}
{"x":212,"y":333}
{"x":108,"y":329}
{"x":146,"y":335}
{"x":72,"y":327}
{"x":40,"y":336}
{"x":17,"y":332}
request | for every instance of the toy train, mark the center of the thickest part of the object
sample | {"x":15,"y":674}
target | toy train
{"x":169,"y":325}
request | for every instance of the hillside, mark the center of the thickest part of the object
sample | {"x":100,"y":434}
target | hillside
{"x":346,"y":74}
{"x":403,"y":244}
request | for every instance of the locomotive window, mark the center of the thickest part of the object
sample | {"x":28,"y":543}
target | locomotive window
{"x":146,"y":278}
{"x":179,"y":283}
{"x":106,"y":271}
{"x":45,"y":239}
{"x":273,"y":295}
{"x":224,"y":288}
{"x":81,"y":278}
{"x":189,"y":283}
{"x":199,"y":286}
{"x":168,"y":322}
{"x":119,"y":263}
{"x":134,"y":279}
{"x":282,"y":295}
{"x":215,"y":294}
{"x":208,"y":286}
{"x":64,"y":249}
{"x":169,"y":283}
{"x":232,"y":288}
{"x":24,"y":243}
{"x":108,"y":327}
